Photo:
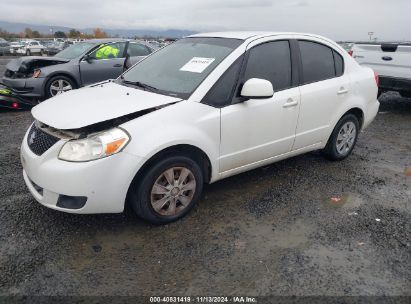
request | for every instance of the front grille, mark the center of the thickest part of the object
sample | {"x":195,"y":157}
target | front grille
{"x":40,"y":141}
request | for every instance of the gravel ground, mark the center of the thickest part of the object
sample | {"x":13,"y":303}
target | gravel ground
{"x":270,"y":231}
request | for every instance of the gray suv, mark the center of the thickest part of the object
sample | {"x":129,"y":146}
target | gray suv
{"x":38,"y":78}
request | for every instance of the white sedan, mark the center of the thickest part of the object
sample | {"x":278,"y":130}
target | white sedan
{"x":31,"y":47}
{"x":204,"y":108}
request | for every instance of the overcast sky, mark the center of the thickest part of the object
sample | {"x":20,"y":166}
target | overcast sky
{"x":337,"y":19}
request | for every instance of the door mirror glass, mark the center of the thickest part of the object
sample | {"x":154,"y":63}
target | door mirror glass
{"x":256,"y":88}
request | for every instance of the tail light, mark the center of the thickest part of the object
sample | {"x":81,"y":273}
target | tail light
{"x":377,"y":79}
{"x":350,"y":52}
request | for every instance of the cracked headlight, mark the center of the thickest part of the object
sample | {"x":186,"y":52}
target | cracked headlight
{"x":95,"y":146}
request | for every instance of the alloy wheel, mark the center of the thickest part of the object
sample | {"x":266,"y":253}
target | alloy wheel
{"x":59,"y":86}
{"x":346,"y":138}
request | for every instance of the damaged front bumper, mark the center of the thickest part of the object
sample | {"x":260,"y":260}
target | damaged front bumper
{"x":98,"y":186}
{"x":32,"y":88}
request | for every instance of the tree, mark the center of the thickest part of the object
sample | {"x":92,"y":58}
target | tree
{"x":59,"y":34}
{"x":28,"y":32}
{"x":73,"y":33}
{"x":99,"y":33}
{"x":36,"y":34}
{"x":6,"y":34}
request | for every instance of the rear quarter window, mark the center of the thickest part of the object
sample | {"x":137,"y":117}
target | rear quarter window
{"x":339,"y":64}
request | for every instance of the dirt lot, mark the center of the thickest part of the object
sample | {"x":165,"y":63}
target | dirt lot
{"x":271,"y":231}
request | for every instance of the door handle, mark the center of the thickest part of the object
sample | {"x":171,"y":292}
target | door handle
{"x":118,"y":65}
{"x":290,"y":103}
{"x":342,"y":91}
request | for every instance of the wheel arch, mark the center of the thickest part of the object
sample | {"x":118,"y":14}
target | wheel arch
{"x":190,"y":151}
{"x":357,"y":112}
{"x":60,"y":73}
{"x":193,"y":152}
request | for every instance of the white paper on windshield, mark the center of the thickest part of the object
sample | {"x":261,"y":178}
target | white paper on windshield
{"x":197,"y":64}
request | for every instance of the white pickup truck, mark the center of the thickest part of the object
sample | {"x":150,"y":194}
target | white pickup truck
{"x":391,"y":61}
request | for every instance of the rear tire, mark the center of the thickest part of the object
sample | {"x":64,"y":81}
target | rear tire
{"x":343,"y":138}
{"x":167,"y":191}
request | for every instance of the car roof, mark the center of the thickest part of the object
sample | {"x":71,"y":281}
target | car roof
{"x":249,"y":34}
{"x":104,"y":40}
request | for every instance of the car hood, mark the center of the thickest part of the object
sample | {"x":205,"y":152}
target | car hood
{"x":91,"y":105}
{"x":30,"y":63}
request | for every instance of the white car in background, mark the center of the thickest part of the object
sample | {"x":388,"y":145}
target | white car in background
{"x":30,"y":47}
{"x":392,"y":62}
{"x":204,"y":108}
{"x":14,"y":46}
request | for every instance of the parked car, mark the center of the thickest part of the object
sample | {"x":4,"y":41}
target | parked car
{"x":54,"y":47}
{"x":392,"y":61}
{"x":14,"y":46}
{"x":204,"y":108}
{"x":30,"y":47}
{"x":37,"y":78}
{"x":4,"y":47}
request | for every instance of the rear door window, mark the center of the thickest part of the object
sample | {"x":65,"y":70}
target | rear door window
{"x":317,"y":61}
{"x":137,"y":49}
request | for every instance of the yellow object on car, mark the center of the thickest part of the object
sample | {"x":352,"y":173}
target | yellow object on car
{"x":5,"y":92}
{"x":107,"y":52}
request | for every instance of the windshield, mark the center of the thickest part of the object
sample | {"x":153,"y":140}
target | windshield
{"x":179,"y":68}
{"x":75,"y":50}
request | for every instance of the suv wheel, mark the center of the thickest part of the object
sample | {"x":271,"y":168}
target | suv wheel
{"x":343,"y":138}
{"x":168,"y":190}
{"x":58,"y":85}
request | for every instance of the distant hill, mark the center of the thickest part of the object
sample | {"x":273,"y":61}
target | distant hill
{"x":15,"y":27}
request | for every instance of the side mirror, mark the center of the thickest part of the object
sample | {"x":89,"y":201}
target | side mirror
{"x":256,"y":88}
{"x":88,"y":58}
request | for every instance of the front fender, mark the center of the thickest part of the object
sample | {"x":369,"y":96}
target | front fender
{"x":67,"y":69}
{"x":184,"y":123}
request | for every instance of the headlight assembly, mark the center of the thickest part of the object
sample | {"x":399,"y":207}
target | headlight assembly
{"x":95,"y":146}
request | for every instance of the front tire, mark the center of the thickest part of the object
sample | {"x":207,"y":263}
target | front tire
{"x":343,"y":138}
{"x":58,"y":85}
{"x":168,"y":190}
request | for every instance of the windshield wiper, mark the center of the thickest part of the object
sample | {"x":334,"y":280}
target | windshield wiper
{"x":140,"y":84}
